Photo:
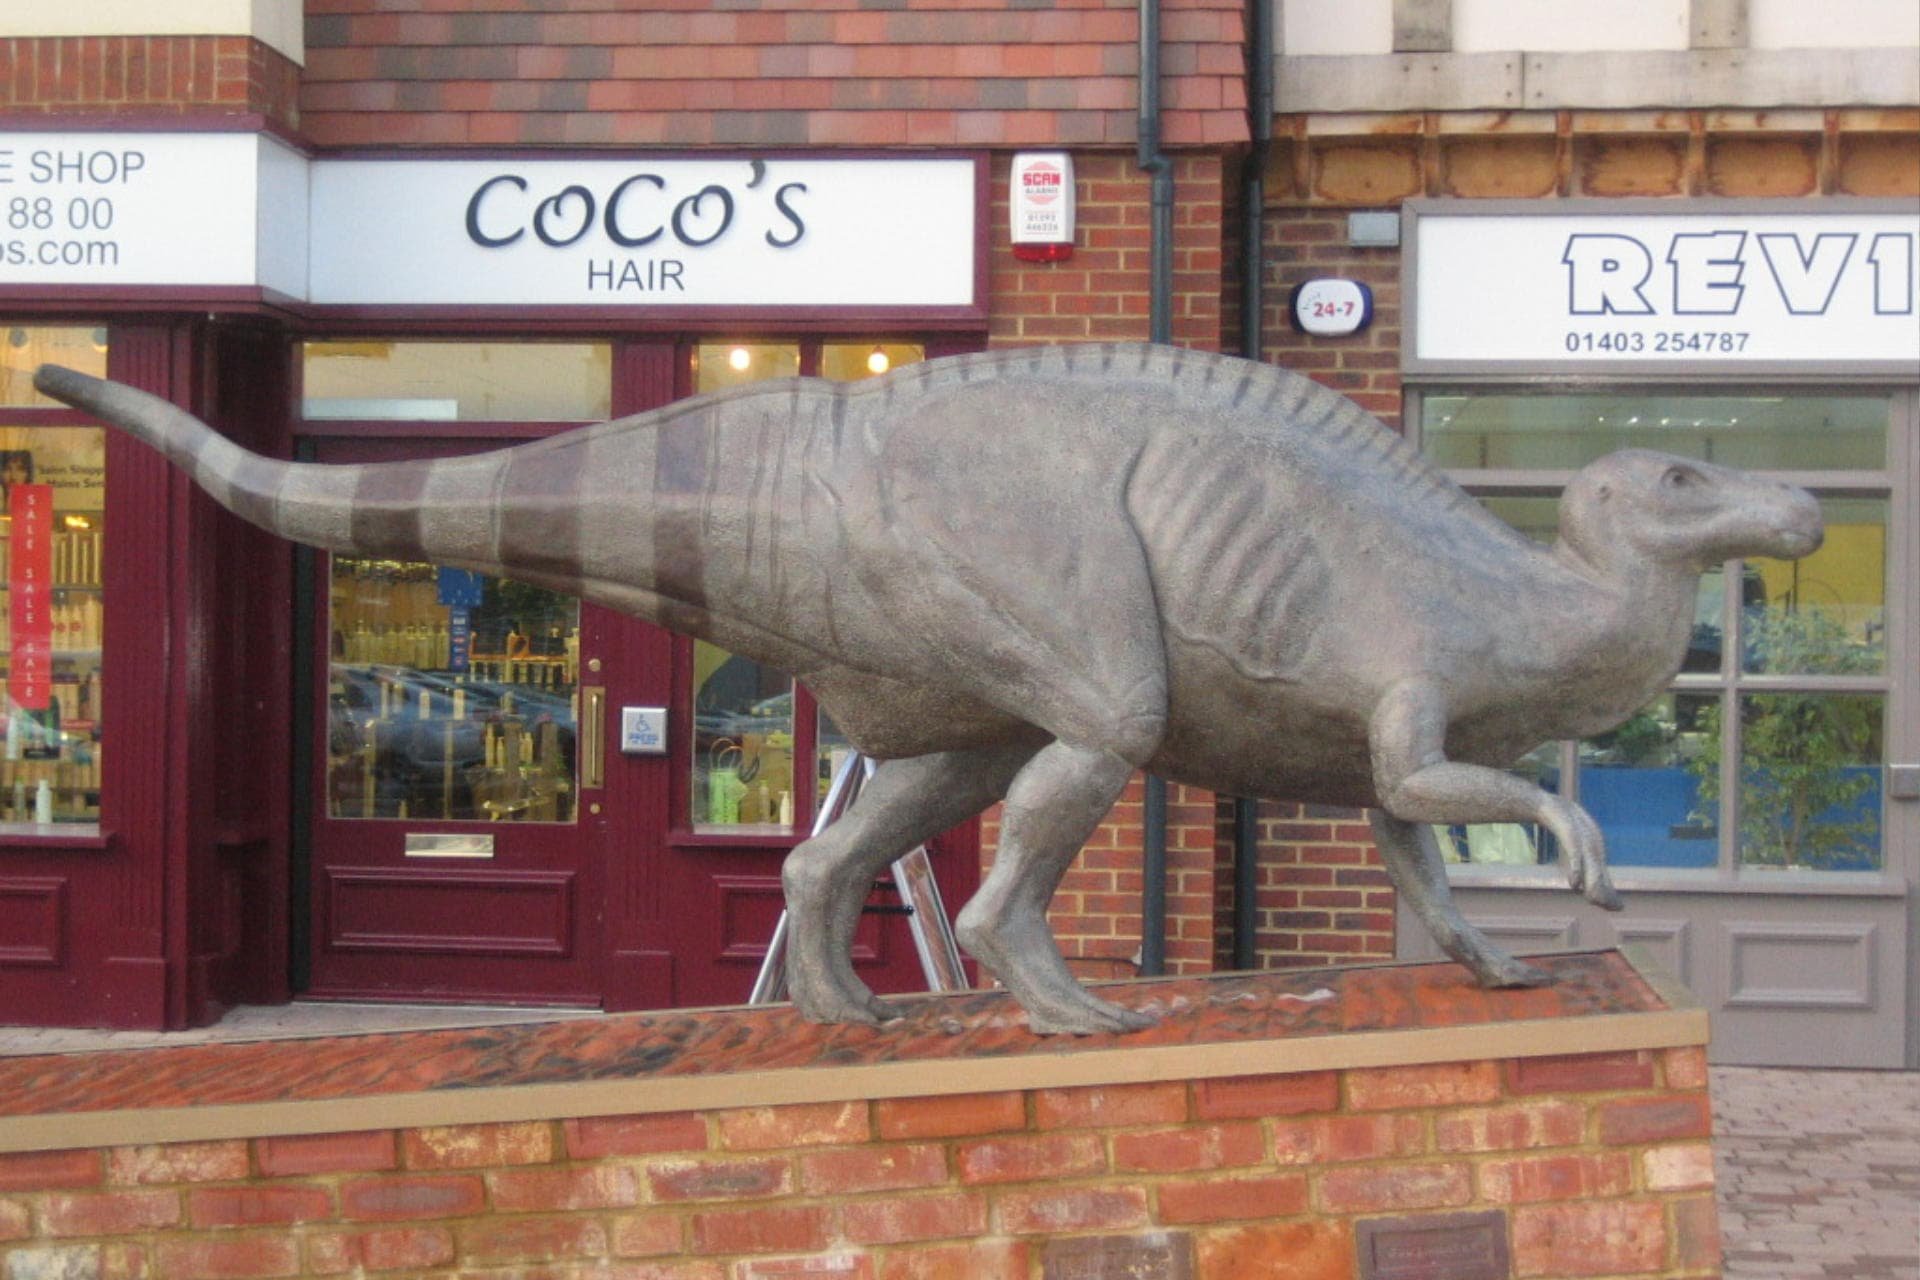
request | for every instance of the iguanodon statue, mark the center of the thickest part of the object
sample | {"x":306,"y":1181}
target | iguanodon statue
{"x":1027,"y":574}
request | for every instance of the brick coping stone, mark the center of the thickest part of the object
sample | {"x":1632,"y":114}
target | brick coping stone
{"x":1215,"y":1026}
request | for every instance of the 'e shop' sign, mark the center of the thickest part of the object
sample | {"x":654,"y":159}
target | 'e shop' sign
{"x":1721,"y":286}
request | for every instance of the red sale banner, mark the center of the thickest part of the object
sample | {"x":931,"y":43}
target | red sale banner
{"x":30,"y":584}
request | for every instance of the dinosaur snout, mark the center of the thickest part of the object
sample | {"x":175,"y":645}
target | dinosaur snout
{"x":1802,"y":528}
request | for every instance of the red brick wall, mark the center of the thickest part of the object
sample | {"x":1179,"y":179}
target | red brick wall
{"x":147,"y":75}
{"x":1103,"y":293}
{"x":1601,"y":1165}
{"x":969,"y":73}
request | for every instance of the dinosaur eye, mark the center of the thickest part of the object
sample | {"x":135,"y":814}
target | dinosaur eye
{"x":1679,"y":477}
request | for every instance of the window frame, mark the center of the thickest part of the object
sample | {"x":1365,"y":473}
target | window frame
{"x":99,"y":833}
{"x":1732,"y":683}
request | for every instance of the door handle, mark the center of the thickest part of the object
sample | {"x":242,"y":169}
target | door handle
{"x":593,"y":737}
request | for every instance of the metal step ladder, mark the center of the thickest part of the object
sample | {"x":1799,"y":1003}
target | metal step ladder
{"x":914,"y":882}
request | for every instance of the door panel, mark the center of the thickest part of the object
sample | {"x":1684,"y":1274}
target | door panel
{"x":448,"y":705}
{"x":1791,"y":980}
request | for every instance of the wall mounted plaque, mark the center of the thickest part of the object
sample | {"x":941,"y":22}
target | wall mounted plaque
{"x":1150,"y":1255}
{"x":1456,"y":1246}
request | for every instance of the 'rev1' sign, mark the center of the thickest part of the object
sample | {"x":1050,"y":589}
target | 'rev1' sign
{"x":1835,"y":284}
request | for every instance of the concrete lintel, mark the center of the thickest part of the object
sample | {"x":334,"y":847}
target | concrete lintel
{"x":1678,"y":80}
{"x":1724,"y":78}
{"x":1399,"y":82}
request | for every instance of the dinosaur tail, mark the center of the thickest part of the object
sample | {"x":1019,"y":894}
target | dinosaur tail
{"x":367,"y":510}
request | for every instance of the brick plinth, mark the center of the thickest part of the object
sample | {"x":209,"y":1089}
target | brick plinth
{"x":1315,"y":1105}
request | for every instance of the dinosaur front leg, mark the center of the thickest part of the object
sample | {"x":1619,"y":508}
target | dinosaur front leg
{"x":827,"y":879}
{"x":1419,"y":875}
{"x":1417,"y":783}
{"x":1053,"y":806}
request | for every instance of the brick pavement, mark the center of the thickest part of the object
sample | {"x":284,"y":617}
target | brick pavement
{"x":1819,"y":1173}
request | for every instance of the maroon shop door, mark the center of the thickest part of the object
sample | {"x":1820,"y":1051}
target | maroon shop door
{"x":477,"y":833}
{"x":461,"y":810}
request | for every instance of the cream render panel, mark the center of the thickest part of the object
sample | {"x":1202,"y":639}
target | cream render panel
{"x":1568,"y":26}
{"x":1834,"y":24}
{"x":1323,"y":27}
{"x":275,"y":23}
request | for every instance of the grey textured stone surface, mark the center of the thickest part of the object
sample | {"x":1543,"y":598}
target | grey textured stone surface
{"x":1026,"y":574}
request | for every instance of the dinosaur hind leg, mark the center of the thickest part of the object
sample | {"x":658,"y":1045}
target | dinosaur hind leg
{"x":1053,"y":806}
{"x":1413,"y":861}
{"x":827,"y":878}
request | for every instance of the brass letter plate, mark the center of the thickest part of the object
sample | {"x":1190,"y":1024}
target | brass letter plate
{"x":1453,"y":1246}
{"x":445,"y":846}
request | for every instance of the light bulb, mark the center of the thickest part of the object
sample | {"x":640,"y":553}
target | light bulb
{"x":878,"y":361}
{"x":739,"y":359}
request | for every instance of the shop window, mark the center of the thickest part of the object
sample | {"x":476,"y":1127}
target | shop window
{"x":457,"y":381}
{"x":451,"y":696}
{"x":1527,"y":432}
{"x":52,"y":545}
{"x":749,"y":720}
{"x":1767,"y":752}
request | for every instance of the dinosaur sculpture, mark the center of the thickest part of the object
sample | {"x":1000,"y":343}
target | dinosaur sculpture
{"x":1027,"y":574}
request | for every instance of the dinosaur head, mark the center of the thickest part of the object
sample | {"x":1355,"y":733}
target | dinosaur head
{"x":1655,"y":508}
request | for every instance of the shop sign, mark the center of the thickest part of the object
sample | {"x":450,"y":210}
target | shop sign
{"x":136,"y":211}
{"x":644,"y":232}
{"x":1701,"y":285}
{"x":140,"y":209}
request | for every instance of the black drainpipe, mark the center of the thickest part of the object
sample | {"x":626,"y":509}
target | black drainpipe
{"x":1253,"y":200}
{"x":1153,"y":892}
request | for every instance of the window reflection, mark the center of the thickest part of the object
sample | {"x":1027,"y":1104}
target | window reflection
{"x":1810,"y":781}
{"x":1823,"y":614}
{"x":52,"y":621}
{"x":28,"y":347}
{"x":718,"y":365}
{"x":464,"y":381}
{"x":1501,"y":432}
{"x":742,"y":742}
{"x":1642,"y":784}
{"x":451,"y":696}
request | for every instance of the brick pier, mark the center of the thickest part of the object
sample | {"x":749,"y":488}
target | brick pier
{"x":1309,"y":1117}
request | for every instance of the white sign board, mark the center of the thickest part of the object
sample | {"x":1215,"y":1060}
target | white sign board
{"x":149,"y":209}
{"x":1650,"y":289}
{"x":216,"y":210}
{"x":644,"y":232}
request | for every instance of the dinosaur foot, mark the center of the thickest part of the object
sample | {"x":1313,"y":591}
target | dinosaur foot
{"x":1029,"y":965}
{"x":1084,"y":1015}
{"x":821,"y":998}
{"x":1505,"y":971}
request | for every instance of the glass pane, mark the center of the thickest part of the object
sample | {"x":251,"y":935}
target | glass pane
{"x":458,"y":381}
{"x":29,"y":347}
{"x":52,"y":543}
{"x":1823,"y":614}
{"x":1642,"y":785}
{"x":451,"y":696}
{"x":852,"y":361}
{"x":742,"y":743}
{"x":1509,"y":843}
{"x":1565,"y":432}
{"x":1810,"y":781}
{"x":830,"y":753}
{"x":717,"y":365}
{"x":742,"y":774}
